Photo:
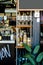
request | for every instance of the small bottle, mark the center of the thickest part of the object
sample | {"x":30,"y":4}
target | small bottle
{"x":12,"y":37}
{"x":18,"y":41}
{"x":18,"y":18}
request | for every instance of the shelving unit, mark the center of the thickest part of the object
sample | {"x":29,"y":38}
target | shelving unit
{"x":27,"y":29}
{"x":10,"y":28}
{"x":23,"y":31}
{"x":24,"y":20}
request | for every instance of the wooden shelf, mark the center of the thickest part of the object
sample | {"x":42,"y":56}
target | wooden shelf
{"x":9,"y":28}
{"x":30,"y":9}
{"x":20,"y":47}
{"x":23,"y":26}
{"x":7,"y":42}
{"x":24,"y":9}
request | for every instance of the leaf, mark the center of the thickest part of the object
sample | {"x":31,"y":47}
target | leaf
{"x":36,"y":49}
{"x":30,"y":55}
{"x":27,"y":64}
{"x":39,"y":57}
{"x":30,"y":59}
{"x":28,"y":48}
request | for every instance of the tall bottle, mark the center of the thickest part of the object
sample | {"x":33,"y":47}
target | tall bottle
{"x":25,"y":38}
{"x":21,"y":37}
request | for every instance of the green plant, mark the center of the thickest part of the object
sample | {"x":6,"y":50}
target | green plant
{"x":33,"y":55}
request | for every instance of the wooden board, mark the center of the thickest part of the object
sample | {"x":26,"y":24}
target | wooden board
{"x":23,"y":26}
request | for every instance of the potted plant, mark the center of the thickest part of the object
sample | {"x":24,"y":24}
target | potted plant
{"x":34,"y":55}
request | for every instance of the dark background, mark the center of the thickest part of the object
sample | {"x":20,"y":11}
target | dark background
{"x":8,"y":61}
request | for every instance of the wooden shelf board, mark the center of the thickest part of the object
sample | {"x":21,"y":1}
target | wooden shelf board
{"x":7,"y":42}
{"x":30,"y":9}
{"x":19,"y":47}
{"x":20,"y":26}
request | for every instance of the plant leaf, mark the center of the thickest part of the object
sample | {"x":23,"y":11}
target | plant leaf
{"x":28,"y":48}
{"x":36,"y":49}
{"x":30,"y":59}
{"x":30,"y":55}
{"x":27,"y":64}
{"x":39,"y":57}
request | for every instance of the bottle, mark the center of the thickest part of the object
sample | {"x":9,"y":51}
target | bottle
{"x":22,"y":18}
{"x":28,"y":18}
{"x":19,"y":18}
{"x":18,"y":41}
{"x":25,"y":18}
{"x":12,"y":35}
{"x":14,"y":3}
{"x":25,"y":38}
{"x":21,"y":37}
{"x":29,"y":41}
{"x":28,"y":13}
